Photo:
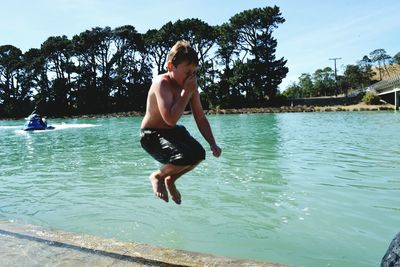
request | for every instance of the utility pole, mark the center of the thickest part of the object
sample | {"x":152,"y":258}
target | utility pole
{"x":334,"y":59}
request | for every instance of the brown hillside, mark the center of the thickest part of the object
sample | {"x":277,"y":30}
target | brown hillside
{"x":392,"y":71}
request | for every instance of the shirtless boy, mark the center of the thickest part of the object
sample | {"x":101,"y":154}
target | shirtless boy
{"x":161,"y":137}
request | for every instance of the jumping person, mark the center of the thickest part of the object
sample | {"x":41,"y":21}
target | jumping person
{"x":161,"y":137}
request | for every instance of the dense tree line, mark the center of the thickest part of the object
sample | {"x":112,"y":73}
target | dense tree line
{"x":324,"y":82}
{"x":109,"y":70}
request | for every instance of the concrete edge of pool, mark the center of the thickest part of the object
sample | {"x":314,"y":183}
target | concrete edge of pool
{"x":25,"y":245}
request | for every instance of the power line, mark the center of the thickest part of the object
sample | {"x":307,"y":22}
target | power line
{"x":335,"y":59}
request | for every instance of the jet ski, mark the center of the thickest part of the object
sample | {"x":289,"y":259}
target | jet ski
{"x":36,"y":122}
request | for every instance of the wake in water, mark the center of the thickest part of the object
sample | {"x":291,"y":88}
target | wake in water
{"x":10,"y":127}
{"x":63,"y":126}
{"x":57,"y":127}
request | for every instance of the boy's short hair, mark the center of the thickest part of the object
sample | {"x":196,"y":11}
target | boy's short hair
{"x":182,"y":51}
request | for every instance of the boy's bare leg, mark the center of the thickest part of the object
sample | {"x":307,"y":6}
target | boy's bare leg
{"x":158,"y":184}
{"x":170,"y":183}
{"x":158,"y":178}
{"x":173,"y":191}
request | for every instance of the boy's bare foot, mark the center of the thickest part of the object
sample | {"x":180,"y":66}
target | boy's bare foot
{"x":176,"y":196}
{"x":159,"y":188}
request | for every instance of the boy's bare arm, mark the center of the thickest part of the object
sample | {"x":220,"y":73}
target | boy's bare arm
{"x":172,"y":109}
{"x":203,"y":124}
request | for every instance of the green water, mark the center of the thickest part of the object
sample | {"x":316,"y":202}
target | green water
{"x":311,"y":189}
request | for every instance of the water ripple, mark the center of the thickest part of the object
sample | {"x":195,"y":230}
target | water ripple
{"x":285,"y":182}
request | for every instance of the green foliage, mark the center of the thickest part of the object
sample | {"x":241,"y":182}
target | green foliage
{"x":254,"y":36}
{"x":371,"y":98}
{"x":109,"y":70}
{"x":293,"y":91}
{"x":323,"y":82}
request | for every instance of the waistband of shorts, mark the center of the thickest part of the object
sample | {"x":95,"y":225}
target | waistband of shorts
{"x":160,"y":130}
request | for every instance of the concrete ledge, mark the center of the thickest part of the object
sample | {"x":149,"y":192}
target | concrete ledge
{"x":30,"y":245}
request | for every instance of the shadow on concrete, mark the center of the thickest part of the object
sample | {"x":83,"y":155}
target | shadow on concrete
{"x":133,"y":259}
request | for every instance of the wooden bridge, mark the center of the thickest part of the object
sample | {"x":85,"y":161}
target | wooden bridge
{"x":388,"y":88}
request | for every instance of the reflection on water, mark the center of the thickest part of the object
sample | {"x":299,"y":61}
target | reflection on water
{"x":304,"y":189}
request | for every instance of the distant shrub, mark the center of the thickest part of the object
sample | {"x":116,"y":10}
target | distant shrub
{"x":371,"y":98}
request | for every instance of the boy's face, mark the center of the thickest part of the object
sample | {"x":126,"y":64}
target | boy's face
{"x":182,"y":72}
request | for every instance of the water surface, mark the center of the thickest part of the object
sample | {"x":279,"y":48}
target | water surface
{"x":313,"y":189}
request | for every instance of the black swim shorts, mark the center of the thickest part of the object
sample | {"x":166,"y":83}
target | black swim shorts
{"x":175,"y":145}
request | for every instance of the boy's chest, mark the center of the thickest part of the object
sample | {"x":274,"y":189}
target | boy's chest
{"x":176,"y":93}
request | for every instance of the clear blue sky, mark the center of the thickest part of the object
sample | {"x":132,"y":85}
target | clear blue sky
{"x":314,"y":31}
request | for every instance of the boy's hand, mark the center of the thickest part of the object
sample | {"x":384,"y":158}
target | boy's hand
{"x":190,"y":84}
{"x":216,"y":150}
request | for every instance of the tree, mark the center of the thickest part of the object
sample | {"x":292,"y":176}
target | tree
{"x":36,"y":78}
{"x":104,"y":70}
{"x":254,"y":29}
{"x":94,"y":54}
{"x":132,"y":75}
{"x":353,"y":78}
{"x":324,"y":82}
{"x":240,"y":85}
{"x":380,"y":57}
{"x":158,"y":43}
{"x":13,"y":98}
{"x":365,"y":66}
{"x":200,"y":35}
{"x":306,"y":85}
{"x":57,"y":52}
{"x":292,"y":91}
{"x":227,"y":39}
{"x":225,"y":57}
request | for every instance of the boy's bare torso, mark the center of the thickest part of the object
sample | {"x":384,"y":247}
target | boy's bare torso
{"x":153,"y":118}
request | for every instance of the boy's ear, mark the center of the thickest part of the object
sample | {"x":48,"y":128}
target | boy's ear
{"x":169,"y":66}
